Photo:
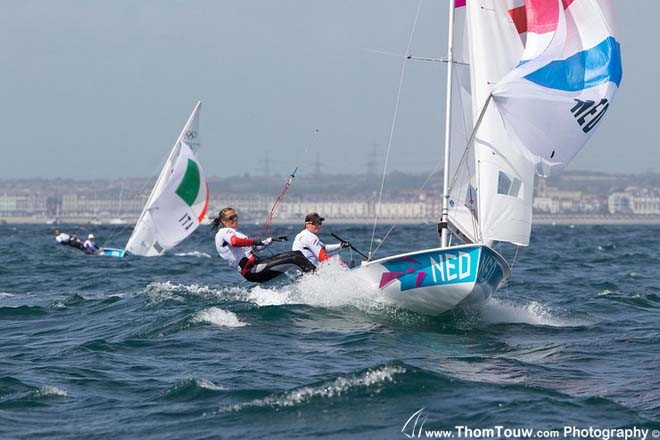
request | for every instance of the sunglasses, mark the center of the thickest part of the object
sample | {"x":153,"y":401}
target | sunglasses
{"x":315,"y":223}
{"x":231,"y":218}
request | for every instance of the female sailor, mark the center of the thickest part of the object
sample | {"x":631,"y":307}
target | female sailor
{"x":238,"y":250}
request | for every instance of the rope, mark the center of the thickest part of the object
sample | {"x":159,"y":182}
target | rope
{"x":515,"y":256}
{"x":266,"y":227}
{"x":415,"y":196}
{"x":396,"y":110}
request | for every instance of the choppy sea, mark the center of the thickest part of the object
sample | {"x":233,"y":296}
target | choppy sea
{"x":180,"y":347}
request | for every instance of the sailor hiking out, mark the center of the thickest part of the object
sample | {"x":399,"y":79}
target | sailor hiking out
{"x":307,"y":241}
{"x":239,"y":251}
{"x":68,"y":240}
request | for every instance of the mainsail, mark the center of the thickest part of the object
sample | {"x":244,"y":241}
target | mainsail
{"x":179,"y":200}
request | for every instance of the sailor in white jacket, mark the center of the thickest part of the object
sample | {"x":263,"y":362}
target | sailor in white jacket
{"x":307,"y":241}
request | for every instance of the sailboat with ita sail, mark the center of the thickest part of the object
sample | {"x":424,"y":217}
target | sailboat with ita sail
{"x":178,"y":201}
{"x":531,"y":81}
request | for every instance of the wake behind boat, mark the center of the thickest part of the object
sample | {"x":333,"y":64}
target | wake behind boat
{"x":532,"y":83}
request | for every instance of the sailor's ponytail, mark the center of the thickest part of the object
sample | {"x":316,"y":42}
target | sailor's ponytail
{"x":222,"y":215}
{"x":215,"y":224}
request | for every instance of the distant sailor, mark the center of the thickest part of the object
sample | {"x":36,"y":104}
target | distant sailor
{"x":238,"y":250}
{"x":307,"y":241}
{"x":90,"y":246}
{"x":68,"y":240}
{"x":61,"y":237}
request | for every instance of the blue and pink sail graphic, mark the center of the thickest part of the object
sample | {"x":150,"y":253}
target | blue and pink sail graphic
{"x":568,"y":74}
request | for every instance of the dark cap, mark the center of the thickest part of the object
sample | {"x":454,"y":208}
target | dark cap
{"x":313,"y":217}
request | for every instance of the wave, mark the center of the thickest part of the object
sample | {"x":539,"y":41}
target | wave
{"x":159,"y":292}
{"x":499,"y":312}
{"x":49,"y":390}
{"x":193,"y":254}
{"x":370,"y":379}
{"x":21,"y":312}
{"x":16,"y":394}
{"x":193,"y":388}
{"x":219,"y":317}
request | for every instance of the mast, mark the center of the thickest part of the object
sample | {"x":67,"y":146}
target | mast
{"x":444,"y":239}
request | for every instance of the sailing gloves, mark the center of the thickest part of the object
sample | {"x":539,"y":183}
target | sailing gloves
{"x":264,"y":242}
{"x":345,"y":244}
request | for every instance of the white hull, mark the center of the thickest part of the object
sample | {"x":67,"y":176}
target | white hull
{"x":434,"y":281}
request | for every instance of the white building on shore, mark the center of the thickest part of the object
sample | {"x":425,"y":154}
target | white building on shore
{"x":640,"y":201}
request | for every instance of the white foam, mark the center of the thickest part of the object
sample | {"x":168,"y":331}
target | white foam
{"x":50,"y":390}
{"x":605,"y":292}
{"x":58,"y":305}
{"x":330,"y":389}
{"x":193,"y":254}
{"x":6,"y":295}
{"x":200,"y":383}
{"x":534,"y":313}
{"x":269,"y":297}
{"x":219,"y":317}
{"x":332,"y":285}
{"x":167,"y":291}
{"x":208,"y":385}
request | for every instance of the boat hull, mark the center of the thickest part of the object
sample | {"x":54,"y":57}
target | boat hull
{"x":435,"y":281}
{"x":112,"y":252}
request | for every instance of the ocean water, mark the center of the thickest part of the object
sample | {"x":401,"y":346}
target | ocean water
{"x":179,"y":347}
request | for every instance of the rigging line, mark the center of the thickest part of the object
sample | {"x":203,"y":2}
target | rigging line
{"x":515,"y":257}
{"x":416,"y":195}
{"x":470,"y":143}
{"x":266,"y":227}
{"x":396,"y":110}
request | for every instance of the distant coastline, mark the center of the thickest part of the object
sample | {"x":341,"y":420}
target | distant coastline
{"x":538,"y":219}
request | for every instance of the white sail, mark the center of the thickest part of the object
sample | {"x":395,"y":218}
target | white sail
{"x":179,"y":200}
{"x":505,"y":177}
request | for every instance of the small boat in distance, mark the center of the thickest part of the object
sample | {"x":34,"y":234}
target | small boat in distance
{"x":178,"y":201}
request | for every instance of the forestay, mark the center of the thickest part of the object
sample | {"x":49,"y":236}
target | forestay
{"x":178,"y":201}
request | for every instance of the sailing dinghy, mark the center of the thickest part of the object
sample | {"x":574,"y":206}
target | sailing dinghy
{"x":178,"y":201}
{"x":534,"y":79}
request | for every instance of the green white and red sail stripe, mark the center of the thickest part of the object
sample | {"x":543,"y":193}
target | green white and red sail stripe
{"x":179,"y":200}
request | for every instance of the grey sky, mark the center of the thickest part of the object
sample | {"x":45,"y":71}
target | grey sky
{"x":102,"y":88}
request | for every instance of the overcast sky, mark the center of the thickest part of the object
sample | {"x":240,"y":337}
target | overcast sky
{"x":102,"y":88}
